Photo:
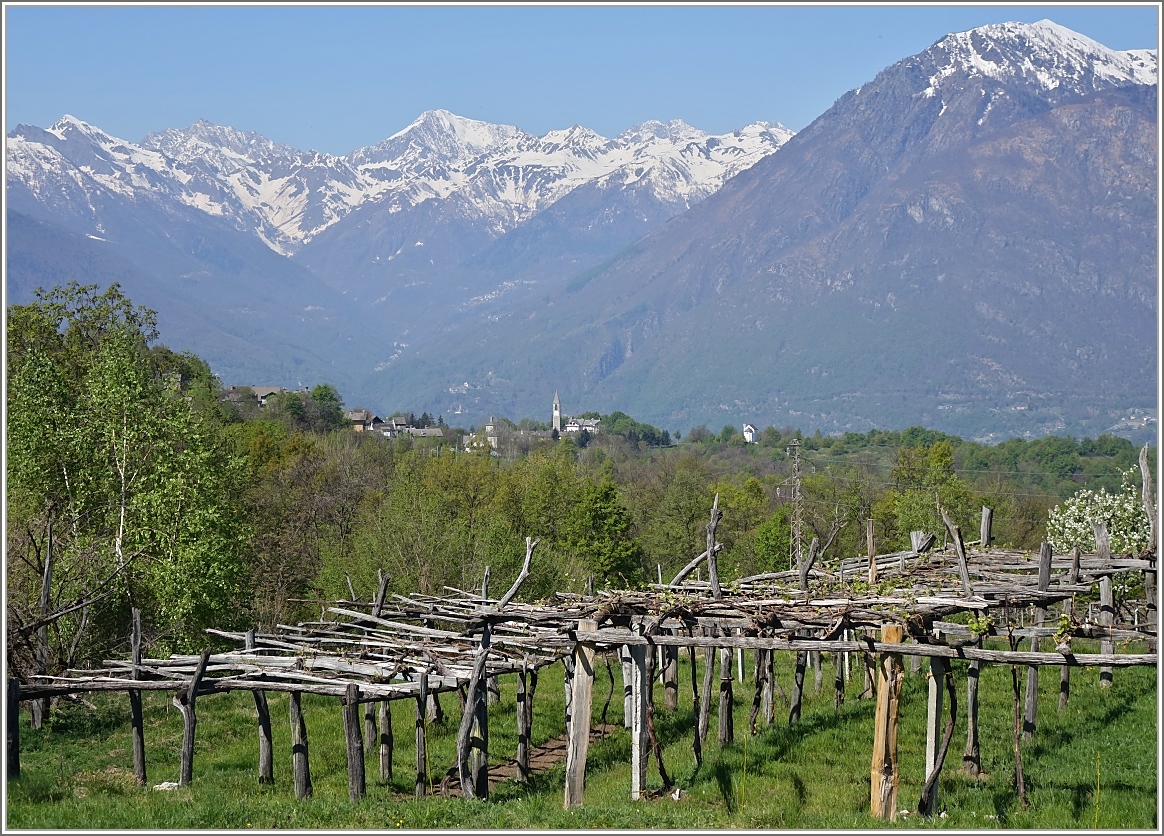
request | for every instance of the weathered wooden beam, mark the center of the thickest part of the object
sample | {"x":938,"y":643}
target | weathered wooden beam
{"x":640,"y":738}
{"x":883,"y":772}
{"x":184,"y":702}
{"x":705,"y":692}
{"x":971,"y":756}
{"x":872,"y":549}
{"x":929,"y":797}
{"x":581,"y":704}
{"x":937,"y":679}
{"x":421,"y":740}
{"x":1031,"y":705}
{"x":726,"y":725}
{"x":712,"y":570}
{"x":387,"y":743}
{"x":523,"y":728}
{"x":797,"y":688}
{"x":300,"y":765}
{"x":960,"y":550}
{"x":697,"y":742}
{"x":670,"y":678}
{"x":984,"y":533}
{"x":357,"y":787}
{"x":136,"y":717}
{"x":262,"y":709}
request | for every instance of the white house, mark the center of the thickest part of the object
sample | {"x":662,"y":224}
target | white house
{"x":749,"y":434}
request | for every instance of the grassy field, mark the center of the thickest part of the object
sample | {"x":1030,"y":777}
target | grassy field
{"x":1091,"y":765}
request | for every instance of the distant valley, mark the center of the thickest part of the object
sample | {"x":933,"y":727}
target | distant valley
{"x":968,"y":241}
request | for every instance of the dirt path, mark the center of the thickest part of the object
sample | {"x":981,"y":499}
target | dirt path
{"x":541,"y":759}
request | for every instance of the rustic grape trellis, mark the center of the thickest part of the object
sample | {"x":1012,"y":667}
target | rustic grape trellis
{"x":869,"y":613}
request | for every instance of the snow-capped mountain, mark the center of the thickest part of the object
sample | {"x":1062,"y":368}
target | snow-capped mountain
{"x":968,"y":241}
{"x":287,"y":197}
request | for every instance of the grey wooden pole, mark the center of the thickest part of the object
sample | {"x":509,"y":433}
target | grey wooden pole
{"x":624,"y":657}
{"x":357,"y":787}
{"x":300,"y":766}
{"x":883,"y":772}
{"x":580,"y":710}
{"x":523,"y":729}
{"x":1106,"y":619}
{"x":640,"y":739}
{"x":266,"y":748}
{"x":671,"y":678}
{"x":726,"y":726}
{"x":696,"y":743}
{"x":705,"y":693}
{"x":971,"y":757}
{"x":387,"y":744}
{"x":984,"y":534}
{"x":421,"y":744}
{"x":797,"y":688}
{"x":13,"y":727}
{"x":137,"y":721}
{"x":1068,"y":610}
{"x":184,"y":702}
{"x":937,"y":679}
{"x":1031,"y":706}
{"x":371,"y":733}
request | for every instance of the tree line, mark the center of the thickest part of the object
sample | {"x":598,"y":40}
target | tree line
{"x":135,"y":480}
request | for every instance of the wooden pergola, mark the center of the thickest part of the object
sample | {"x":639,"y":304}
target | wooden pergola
{"x":876,"y":609}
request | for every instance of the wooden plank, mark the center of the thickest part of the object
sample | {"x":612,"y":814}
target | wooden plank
{"x":670,"y":678}
{"x":984,"y":533}
{"x":581,"y":703}
{"x":872,"y":550}
{"x":883,"y":772}
{"x":797,"y":688}
{"x":1106,"y":619}
{"x":300,"y":766}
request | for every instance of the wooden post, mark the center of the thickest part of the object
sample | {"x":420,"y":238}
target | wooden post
{"x":493,"y":690}
{"x":768,"y":697}
{"x":479,"y":742}
{"x":705,"y":693}
{"x":1106,"y":619}
{"x":184,"y":702}
{"x":300,"y":767}
{"x":960,"y":549}
{"x":984,"y":534}
{"x":937,"y":680}
{"x":817,"y":670}
{"x":580,"y":710}
{"x":640,"y":739}
{"x":883,"y":771}
{"x":624,"y":656}
{"x":421,"y":743}
{"x":797,"y":688}
{"x":357,"y":787}
{"x":387,"y":744}
{"x":872,"y":552}
{"x":671,"y":678}
{"x":697,"y":742}
{"x":523,"y":727}
{"x":13,"y":726}
{"x":839,"y":681}
{"x":1031,"y":706}
{"x":739,"y":660}
{"x":726,"y":726}
{"x":137,"y":722}
{"x":371,"y":738}
{"x":266,"y":749}
{"x":971,"y":757}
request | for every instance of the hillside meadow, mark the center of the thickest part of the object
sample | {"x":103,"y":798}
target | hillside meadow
{"x":1093,"y":765}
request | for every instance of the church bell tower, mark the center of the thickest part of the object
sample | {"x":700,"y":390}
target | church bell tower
{"x":557,"y":413}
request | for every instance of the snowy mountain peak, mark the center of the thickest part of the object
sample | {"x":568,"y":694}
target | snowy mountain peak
{"x":202,"y":136}
{"x":1052,"y":57}
{"x":439,"y":136}
{"x":674,"y":131}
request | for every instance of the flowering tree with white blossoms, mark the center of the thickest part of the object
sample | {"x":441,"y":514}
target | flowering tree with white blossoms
{"x":1071,"y":523}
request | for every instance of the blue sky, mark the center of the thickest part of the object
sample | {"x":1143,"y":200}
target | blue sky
{"x":338,"y":78}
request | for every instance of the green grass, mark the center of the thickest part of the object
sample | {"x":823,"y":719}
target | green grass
{"x":77,"y":772}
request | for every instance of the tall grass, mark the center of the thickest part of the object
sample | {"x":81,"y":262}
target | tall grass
{"x":77,"y":771}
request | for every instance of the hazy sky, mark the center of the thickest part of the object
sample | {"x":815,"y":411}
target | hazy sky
{"x":338,"y":78}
